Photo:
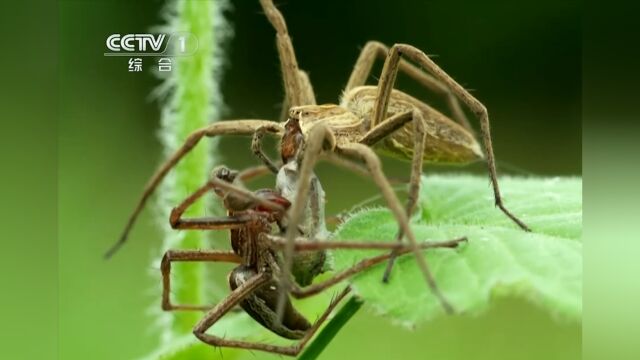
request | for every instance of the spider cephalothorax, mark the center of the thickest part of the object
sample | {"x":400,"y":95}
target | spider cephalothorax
{"x":292,"y":140}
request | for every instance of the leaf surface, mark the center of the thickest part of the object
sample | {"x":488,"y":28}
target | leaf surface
{"x":499,"y":259}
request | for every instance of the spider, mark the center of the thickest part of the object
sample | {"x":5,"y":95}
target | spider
{"x":367,"y":117}
{"x":254,"y":282}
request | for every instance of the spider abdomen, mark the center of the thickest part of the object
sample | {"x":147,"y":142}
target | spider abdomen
{"x":446,"y":140}
{"x":261,"y":305}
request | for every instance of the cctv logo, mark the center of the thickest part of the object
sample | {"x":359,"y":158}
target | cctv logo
{"x":135,"y":42}
{"x":166,"y":45}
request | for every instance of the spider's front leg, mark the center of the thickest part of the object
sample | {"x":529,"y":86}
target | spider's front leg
{"x":256,"y":147}
{"x":225,"y":183}
{"x":234,"y":127}
{"x":297,"y":86}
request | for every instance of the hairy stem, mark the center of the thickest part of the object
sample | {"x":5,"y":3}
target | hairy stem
{"x":192,"y":99}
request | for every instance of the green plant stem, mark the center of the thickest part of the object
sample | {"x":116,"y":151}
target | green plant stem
{"x":332,"y":328}
{"x":189,"y":107}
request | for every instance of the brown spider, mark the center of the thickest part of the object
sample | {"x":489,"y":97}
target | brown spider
{"x":254,"y":282}
{"x":367,"y":117}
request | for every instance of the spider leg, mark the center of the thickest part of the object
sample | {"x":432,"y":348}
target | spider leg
{"x":346,"y":163}
{"x":355,"y":167}
{"x":385,"y":86}
{"x":189,"y":255}
{"x":236,"y":127}
{"x":238,"y":295}
{"x":256,"y":147}
{"x":253,"y":172}
{"x":382,"y":130}
{"x":416,"y":177}
{"x":303,"y":244}
{"x":309,"y":98}
{"x":212,"y":223}
{"x":372,"y":162}
{"x":308,"y":95}
{"x":362,"y":265}
{"x":224,"y":307}
{"x":243,"y":196}
{"x":376,"y":50}
{"x":386,"y":127}
{"x":296,"y":84}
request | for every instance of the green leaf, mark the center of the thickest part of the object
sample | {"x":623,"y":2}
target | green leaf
{"x":499,"y":259}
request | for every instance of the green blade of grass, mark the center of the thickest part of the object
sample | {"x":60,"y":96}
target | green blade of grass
{"x":332,"y":328}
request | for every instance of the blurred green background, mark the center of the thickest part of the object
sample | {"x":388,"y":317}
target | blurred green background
{"x":523,"y":60}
